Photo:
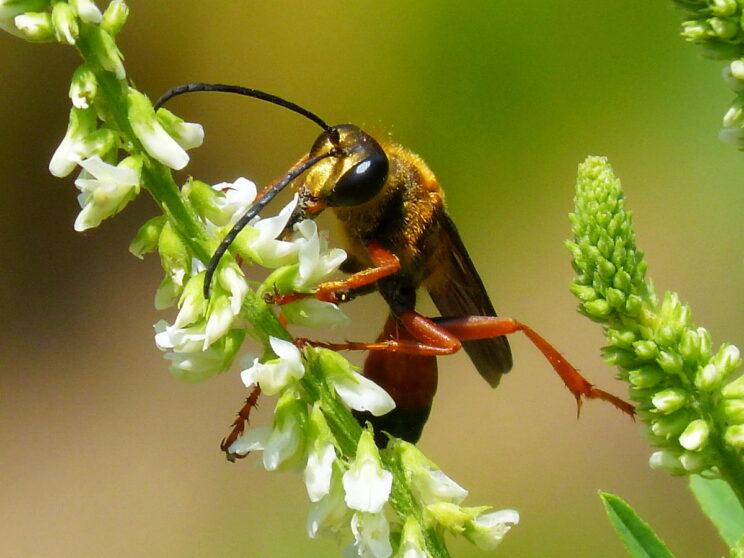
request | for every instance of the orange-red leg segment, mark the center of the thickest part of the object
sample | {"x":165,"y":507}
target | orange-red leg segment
{"x":385,"y":264}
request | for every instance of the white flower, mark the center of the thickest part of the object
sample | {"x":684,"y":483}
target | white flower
{"x":87,"y":10}
{"x":192,"y":302}
{"x":358,"y":392}
{"x":285,"y":444}
{"x":275,"y":375}
{"x":234,"y":200}
{"x":318,"y":471}
{"x":231,"y":278}
{"x":488,"y":530}
{"x":316,"y":261}
{"x":371,"y":535}
{"x":330,"y":512}
{"x":366,"y":483}
{"x":184,"y":350}
{"x":109,"y":190}
{"x":219,"y":320}
{"x":252,"y":440}
{"x":263,"y":247}
{"x":81,"y":141}
{"x":151,"y":133}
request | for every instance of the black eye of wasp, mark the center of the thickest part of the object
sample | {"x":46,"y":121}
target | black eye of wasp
{"x":363,"y":181}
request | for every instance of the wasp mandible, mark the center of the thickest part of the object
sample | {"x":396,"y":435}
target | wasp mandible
{"x":399,"y":238}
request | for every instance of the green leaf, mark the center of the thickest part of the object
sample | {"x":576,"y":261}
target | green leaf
{"x":637,"y":536}
{"x":720,"y":504}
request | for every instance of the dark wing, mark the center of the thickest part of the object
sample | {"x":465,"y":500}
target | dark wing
{"x":458,"y":291}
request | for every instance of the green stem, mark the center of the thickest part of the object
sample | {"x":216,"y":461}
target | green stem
{"x":730,"y":466}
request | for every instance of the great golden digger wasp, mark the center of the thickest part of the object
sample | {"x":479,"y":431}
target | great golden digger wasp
{"x":399,"y":237}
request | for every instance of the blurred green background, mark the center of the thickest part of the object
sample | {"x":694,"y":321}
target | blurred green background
{"x":103,"y":453}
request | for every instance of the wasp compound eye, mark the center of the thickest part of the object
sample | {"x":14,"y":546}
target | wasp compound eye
{"x":362,"y":182}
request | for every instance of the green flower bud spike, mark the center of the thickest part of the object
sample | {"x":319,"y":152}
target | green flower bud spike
{"x":686,"y":394}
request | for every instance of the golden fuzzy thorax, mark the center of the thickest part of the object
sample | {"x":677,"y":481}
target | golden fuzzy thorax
{"x":402,"y":217}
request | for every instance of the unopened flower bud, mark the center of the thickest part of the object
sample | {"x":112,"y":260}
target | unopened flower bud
{"x":65,"y":23}
{"x":734,"y":436}
{"x":723,"y":8}
{"x":187,"y":134}
{"x":83,"y":87}
{"x":597,"y":309}
{"x":723,"y":28}
{"x":671,"y":363}
{"x":694,"y":462}
{"x":667,"y":426}
{"x":115,"y":17}
{"x":150,"y":132}
{"x":735,"y":389}
{"x":146,"y":239}
{"x":86,"y":10}
{"x":734,"y":410}
{"x":35,"y":26}
{"x":645,"y":377}
{"x":583,"y":292}
{"x":106,"y":52}
{"x":646,"y":350}
{"x":695,"y":435}
{"x":666,"y":460}
{"x":669,"y":400}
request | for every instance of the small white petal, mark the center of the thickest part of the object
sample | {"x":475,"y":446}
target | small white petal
{"x":362,"y":394}
{"x":219,"y":321}
{"x":286,"y":350}
{"x":281,"y":444}
{"x":432,"y":485}
{"x":253,"y":440}
{"x":318,"y":472}
{"x":159,"y":144}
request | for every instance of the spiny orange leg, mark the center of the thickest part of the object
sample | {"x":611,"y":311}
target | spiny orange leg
{"x":443,"y":336}
{"x":239,"y":424}
{"x":385,"y":264}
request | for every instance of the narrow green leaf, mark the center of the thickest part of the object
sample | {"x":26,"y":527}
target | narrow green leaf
{"x":637,"y":536}
{"x":720,"y":504}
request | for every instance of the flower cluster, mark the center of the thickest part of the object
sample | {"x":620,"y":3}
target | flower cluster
{"x":686,"y":391}
{"x":716,"y":25}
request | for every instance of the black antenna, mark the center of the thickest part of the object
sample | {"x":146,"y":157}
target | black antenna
{"x":255,"y":209}
{"x":248,"y":92}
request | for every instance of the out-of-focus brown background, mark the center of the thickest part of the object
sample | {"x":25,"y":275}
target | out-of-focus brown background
{"x":103,"y":453}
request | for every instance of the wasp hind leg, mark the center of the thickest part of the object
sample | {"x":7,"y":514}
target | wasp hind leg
{"x":442,"y":336}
